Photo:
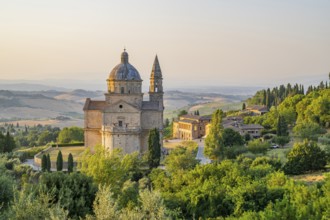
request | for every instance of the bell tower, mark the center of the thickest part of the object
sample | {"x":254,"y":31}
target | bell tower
{"x":156,"y":85}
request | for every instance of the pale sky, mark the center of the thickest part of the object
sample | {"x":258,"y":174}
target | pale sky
{"x":205,"y":42}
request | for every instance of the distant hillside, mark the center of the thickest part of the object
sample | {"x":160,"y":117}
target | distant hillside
{"x":25,"y":105}
{"x":50,"y":104}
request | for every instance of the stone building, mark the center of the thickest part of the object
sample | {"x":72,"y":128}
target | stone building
{"x":123,"y":119}
{"x":189,"y":127}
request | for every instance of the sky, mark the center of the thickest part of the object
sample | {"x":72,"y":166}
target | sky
{"x":198,"y":42}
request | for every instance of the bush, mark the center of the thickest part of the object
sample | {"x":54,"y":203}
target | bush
{"x":234,"y":151}
{"x":258,"y":147}
{"x":29,"y":153}
{"x":305,"y":156}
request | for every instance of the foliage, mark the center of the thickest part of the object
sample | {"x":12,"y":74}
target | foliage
{"x":258,"y":147}
{"x":305,"y":156}
{"x":59,"y":161}
{"x":7,"y":143}
{"x":112,"y":169}
{"x":231,"y":138}
{"x":28,"y":153}
{"x":154,"y":151}
{"x":38,"y":205}
{"x":44,"y":163}
{"x":214,"y":146}
{"x":49,"y":163}
{"x":282,"y":127}
{"x":308,"y":130}
{"x":71,"y":135}
{"x":182,"y":112}
{"x":281,"y":140}
{"x":75,"y":192}
{"x":180,"y":159}
{"x":6,"y":190}
{"x":70,"y":163}
{"x":234,"y":151}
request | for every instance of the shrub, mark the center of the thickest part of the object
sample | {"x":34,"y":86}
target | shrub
{"x":305,"y":156}
{"x":256,"y":146}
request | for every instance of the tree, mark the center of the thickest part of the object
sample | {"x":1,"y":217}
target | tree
{"x":70,"y":163}
{"x":110,"y":168}
{"x":154,"y":151}
{"x":180,"y":158}
{"x":49,"y":163}
{"x":74,"y":192}
{"x":9,"y":143}
{"x":59,"y":161}
{"x":243,"y":106}
{"x":256,"y":146}
{"x":71,"y":135}
{"x":182,"y":112}
{"x":282,"y":127}
{"x":214,"y":146}
{"x":231,"y":137}
{"x":305,"y":156}
{"x":308,"y":130}
{"x":167,"y":122}
{"x":44,"y":163}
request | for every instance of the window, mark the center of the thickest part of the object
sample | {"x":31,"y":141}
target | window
{"x":120,"y":106}
{"x":120,"y":123}
{"x":122,"y":90}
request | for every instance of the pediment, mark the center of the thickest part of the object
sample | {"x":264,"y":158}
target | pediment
{"x":121,"y":106}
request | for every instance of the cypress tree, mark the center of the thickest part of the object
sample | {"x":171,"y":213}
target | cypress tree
{"x":243,"y":106}
{"x":44,"y":163}
{"x":154,"y":151}
{"x":59,"y":161}
{"x":282,"y":127}
{"x":197,"y":112}
{"x":9,"y":143}
{"x":49,"y":165}
{"x":70,"y":163}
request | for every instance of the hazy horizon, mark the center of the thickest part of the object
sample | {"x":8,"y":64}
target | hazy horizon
{"x":199,"y":43}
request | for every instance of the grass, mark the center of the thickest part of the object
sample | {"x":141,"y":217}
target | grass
{"x":310,"y":178}
{"x":75,"y":151}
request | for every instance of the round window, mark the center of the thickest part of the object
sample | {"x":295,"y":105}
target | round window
{"x":120,"y":106}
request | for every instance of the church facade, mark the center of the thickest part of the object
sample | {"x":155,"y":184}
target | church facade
{"x":123,"y":120}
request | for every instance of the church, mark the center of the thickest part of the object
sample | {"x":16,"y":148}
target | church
{"x":123,"y":120}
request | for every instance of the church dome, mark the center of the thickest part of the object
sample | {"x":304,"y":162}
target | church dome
{"x":124,"y":70}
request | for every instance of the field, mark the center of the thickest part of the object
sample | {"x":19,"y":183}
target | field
{"x":75,"y":151}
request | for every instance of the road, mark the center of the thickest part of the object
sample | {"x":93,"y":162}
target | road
{"x":200,"y":154}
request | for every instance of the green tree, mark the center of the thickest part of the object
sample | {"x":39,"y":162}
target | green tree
{"x":9,"y":143}
{"x":256,"y":146}
{"x":282,"y":127}
{"x":309,"y":130}
{"x":110,"y":168}
{"x":182,"y":112}
{"x":59,"y":161}
{"x":180,"y":158}
{"x":214,"y":146}
{"x":154,"y":151}
{"x":44,"y":163}
{"x":243,"y":106}
{"x":70,"y":163}
{"x":7,"y":185}
{"x":74,"y":192}
{"x":49,"y":163}
{"x":305,"y":156}
{"x":71,"y":135}
{"x":231,"y":137}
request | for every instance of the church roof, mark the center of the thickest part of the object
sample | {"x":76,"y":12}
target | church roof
{"x":124,"y":70}
{"x":148,"y":105}
{"x":94,"y":105}
{"x":156,"y":72}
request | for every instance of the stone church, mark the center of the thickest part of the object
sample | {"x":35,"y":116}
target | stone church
{"x":123,"y":119}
